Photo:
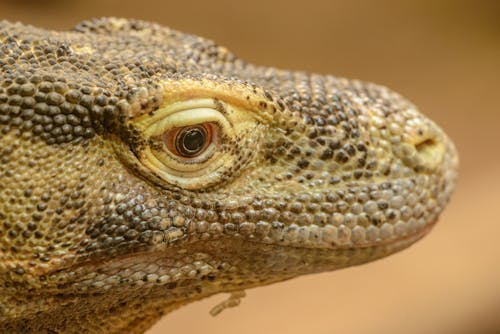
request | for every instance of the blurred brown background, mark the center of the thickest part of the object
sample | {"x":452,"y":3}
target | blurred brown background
{"x":444,"y":56}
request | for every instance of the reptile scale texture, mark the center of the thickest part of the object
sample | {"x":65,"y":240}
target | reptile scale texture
{"x":142,"y":168}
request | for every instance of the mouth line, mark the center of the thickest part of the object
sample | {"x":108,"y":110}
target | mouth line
{"x":133,"y":259}
{"x":413,"y":237}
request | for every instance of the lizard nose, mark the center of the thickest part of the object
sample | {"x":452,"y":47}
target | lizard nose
{"x":423,"y":148}
{"x":430,"y":152}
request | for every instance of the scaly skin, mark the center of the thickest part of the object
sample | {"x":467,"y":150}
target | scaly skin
{"x":103,"y":230}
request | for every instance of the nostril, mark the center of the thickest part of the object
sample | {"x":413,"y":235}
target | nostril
{"x":425,"y":145}
{"x":423,"y":154}
{"x":430,"y":153}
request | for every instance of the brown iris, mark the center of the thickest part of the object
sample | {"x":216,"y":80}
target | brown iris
{"x":189,"y":141}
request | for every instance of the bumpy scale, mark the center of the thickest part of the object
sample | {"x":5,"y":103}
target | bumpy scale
{"x":106,"y":223}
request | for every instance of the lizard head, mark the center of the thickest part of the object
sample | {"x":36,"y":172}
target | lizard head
{"x":144,"y":168}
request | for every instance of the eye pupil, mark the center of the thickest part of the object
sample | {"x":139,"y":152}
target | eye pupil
{"x":191,"y":141}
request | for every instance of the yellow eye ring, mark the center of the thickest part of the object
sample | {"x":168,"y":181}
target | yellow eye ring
{"x":192,"y":144}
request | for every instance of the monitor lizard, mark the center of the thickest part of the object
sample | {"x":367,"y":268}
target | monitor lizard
{"x":142,"y":168}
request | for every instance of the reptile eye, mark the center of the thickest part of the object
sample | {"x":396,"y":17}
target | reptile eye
{"x":190,"y":141}
{"x":193,"y":143}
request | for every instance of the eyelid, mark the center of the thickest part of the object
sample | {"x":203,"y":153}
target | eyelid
{"x":187,"y":118}
{"x":163,"y":112}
